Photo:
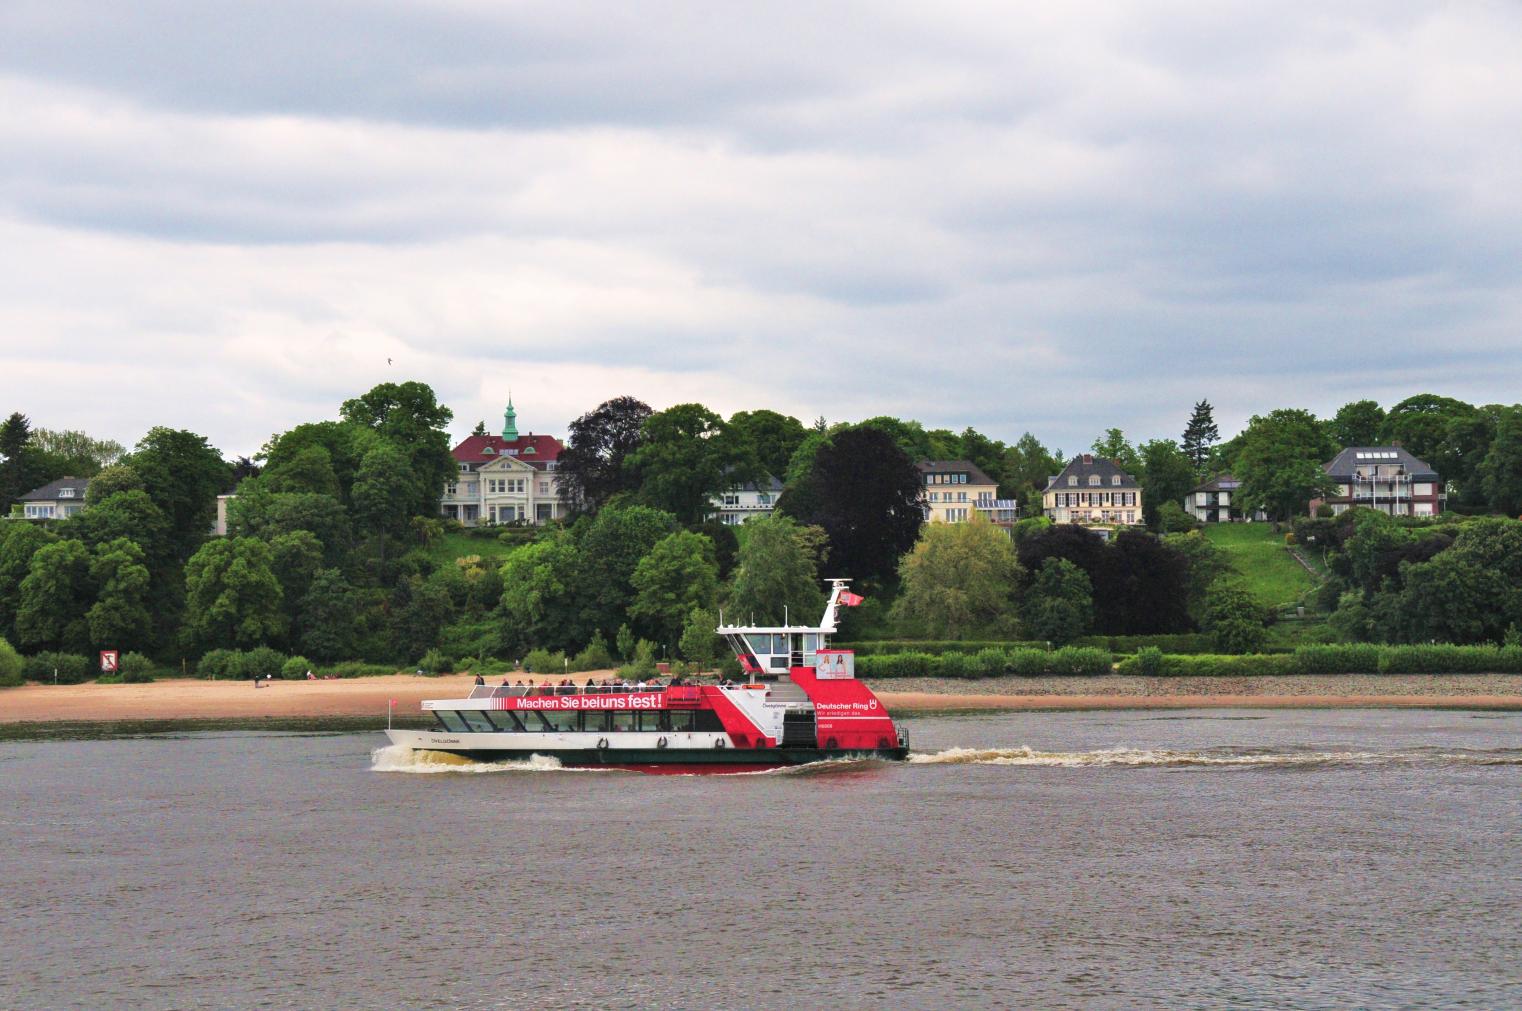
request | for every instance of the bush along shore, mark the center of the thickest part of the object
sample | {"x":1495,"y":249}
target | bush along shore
{"x":1150,"y":661}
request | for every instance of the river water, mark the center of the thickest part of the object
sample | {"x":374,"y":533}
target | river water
{"x":1315,"y":859}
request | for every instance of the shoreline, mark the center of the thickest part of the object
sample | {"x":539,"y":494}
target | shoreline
{"x":190,"y":700}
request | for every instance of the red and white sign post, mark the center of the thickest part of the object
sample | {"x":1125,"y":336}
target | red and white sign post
{"x":108,"y":659}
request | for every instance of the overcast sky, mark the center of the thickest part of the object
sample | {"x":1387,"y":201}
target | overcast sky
{"x":1051,"y":217}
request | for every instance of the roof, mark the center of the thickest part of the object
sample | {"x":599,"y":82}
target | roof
{"x":1087,"y":465}
{"x":771,"y":484}
{"x":1221,"y":482}
{"x":974,"y":474}
{"x":1344,"y":464}
{"x":532,"y":449}
{"x":49,"y":492}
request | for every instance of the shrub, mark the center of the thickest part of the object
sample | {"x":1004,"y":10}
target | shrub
{"x":990,"y":663}
{"x":1149,"y":661}
{"x":1289,"y":539}
{"x":595,"y":656}
{"x":435,"y":661}
{"x":956,"y":665}
{"x":624,"y":640}
{"x":135,"y":669}
{"x":1346,"y":658}
{"x":358,"y":669}
{"x":295,"y":668}
{"x":542,"y":661}
{"x":1234,"y":617}
{"x":262,"y":662}
{"x":10,"y":665}
{"x":217,"y":663}
{"x":71,"y":668}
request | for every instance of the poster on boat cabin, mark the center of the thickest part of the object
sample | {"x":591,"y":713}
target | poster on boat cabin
{"x":835,"y":665}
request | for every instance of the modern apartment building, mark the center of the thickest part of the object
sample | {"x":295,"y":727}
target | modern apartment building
{"x":1386,"y":478}
{"x":734,"y":506}
{"x":1215,"y":502}
{"x":1093,"y":491}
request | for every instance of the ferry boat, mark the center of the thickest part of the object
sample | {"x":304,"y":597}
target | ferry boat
{"x":799,"y":701}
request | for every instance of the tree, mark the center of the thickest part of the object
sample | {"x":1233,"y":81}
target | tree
{"x":1140,"y":585}
{"x":772,"y":437}
{"x":1167,"y":475}
{"x":1500,"y":472}
{"x":540,"y":586}
{"x":1280,"y":463}
{"x":678,"y":576}
{"x":1114,"y":446}
{"x":1420,"y":423}
{"x":590,"y":470}
{"x":866,"y":494}
{"x":344,"y":442}
{"x":777,"y":572}
{"x":1200,"y":434}
{"x":295,"y":559}
{"x":54,"y":597}
{"x":480,"y":428}
{"x":1234,"y":617}
{"x":1357,"y":424}
{"x":75,"y":452}
{"x":258,"y":513}
{"x":116,"y":478}
{"x":410,"y":418}
{"x":18,"y":543}
{"x":329,"y":616}
{"x":384,"y":494}
{"x":1452,"y":599}
{"x":15,"y":477}
{"x":11,"y":665}
{"x":1058,"y":606}
{"x":1171,"y":519}
{"x":1206,"y":563}
{"x":420,"y":609}
{"x":685,"y":458}
{"x":232,"y":599}
{"x":120,"y":618}
{"x":183,"y":475}
{"x":960,"y":579}
{"x":700,"y":643}
{"x":610,"y":549}
{"x":1028,"y":465}
{"x":308,"y":470}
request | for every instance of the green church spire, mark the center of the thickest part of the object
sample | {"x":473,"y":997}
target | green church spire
{"x":509,"y":421}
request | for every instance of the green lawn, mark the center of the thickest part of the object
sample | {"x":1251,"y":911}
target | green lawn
{"x":1262,"y":560}
{"x":451,"y":546}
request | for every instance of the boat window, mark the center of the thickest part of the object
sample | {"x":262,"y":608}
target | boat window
{"x":779,"y":662}
{"x":561,"y":720}
{"x":533,"y":721}
{"x":595,"y":722}
{"x":503,"y":720}
{"x":761,"y":645}
{"x":625,"y":721}
{"x":476,"y":722}
{"x":810,"y":641}
{"x":680,"y":720}
{"x":451,"y":720}
{"x":653,"y":721}
{"x":706,"y":721}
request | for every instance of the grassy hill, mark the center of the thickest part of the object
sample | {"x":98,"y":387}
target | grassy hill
{"x":456,"y":545}
{"x":1263,"y":561}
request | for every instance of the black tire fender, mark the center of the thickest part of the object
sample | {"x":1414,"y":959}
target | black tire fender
{"x":719,"y":743}
{"x":661,"y":743}
{"x":602,"y":744}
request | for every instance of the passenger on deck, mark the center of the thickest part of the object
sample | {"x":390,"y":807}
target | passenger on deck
{"x":480,"y":680}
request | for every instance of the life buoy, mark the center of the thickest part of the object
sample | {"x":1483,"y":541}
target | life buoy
{"x":661,"y":743}
{"x":719,"y":743}
{"x":602,"y":744}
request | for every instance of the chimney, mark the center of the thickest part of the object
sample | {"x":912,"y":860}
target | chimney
{"x":1088,"y":458}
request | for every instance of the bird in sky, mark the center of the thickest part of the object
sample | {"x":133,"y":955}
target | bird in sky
{"x":388,"y":361}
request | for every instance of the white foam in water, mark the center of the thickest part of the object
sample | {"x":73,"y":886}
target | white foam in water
{"x":400,"y":758}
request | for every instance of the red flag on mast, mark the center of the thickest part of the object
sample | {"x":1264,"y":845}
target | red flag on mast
{"x":850,"y":599}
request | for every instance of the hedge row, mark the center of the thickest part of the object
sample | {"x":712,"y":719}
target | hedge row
{"x":1180,"y":643}
{"x":1353,"y":658}
{"x":988,"y":663}
{"x":265,"y":662}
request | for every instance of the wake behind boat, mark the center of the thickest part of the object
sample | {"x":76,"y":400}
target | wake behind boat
{"x":800,"y":702}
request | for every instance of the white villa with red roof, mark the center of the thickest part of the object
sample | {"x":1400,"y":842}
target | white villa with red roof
{"x":505,"y":478}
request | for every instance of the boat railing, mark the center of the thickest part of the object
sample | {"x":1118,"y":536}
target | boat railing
{"x":546,"y":690}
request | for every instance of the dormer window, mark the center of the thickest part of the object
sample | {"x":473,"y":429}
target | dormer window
{"x":1115,"y":480}
{"x":1093,"y":480}
{"x":527,"y":450}
{"x":66,"y":493}
{"x":1072,"y":480}
{"x":488,"y":451}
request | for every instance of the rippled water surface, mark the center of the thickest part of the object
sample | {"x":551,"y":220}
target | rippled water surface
{"x":1208,"y":859}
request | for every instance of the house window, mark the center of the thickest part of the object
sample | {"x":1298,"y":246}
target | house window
{"x":66,"y":493}
{"x":464,"y":467}
{"x":544,"y":487}
{"x":1072,"y":481}
{"x":1093,"y":480}
{"x":449,"y":489}
{"x":763,"y":499}
{"x":495,"y":486}
{"x":1115,"y":479}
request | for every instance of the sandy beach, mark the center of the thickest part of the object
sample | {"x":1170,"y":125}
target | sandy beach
{"x":191,"y":699}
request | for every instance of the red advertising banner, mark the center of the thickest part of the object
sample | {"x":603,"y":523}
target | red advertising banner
{"x":552,"y":703}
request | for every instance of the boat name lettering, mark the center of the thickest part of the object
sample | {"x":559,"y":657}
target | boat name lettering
{"x":651,"y":701}
{"x":846,"y":707}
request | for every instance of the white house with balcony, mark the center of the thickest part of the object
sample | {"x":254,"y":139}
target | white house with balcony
{"x":1093,"y":491}
{"x":1386,"y":478}
{"x":1215,"y":501}
{"x":507,"y":478}
{"x":734,"y":506}
{"x":55,"y":500}
{"x":957,"y":490}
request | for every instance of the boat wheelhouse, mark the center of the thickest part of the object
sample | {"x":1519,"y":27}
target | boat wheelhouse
{"x":799,"y":702}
